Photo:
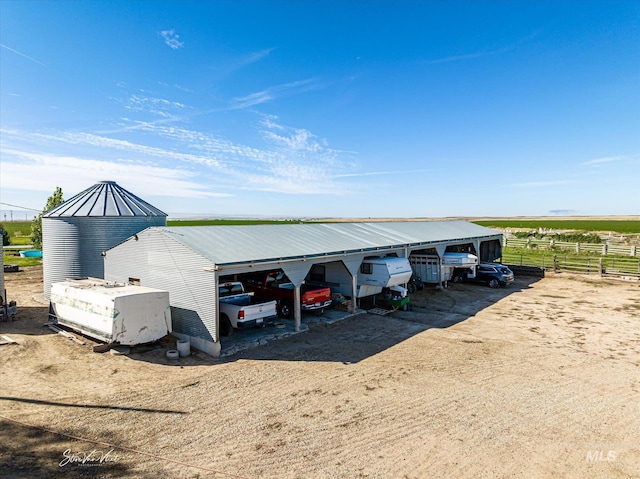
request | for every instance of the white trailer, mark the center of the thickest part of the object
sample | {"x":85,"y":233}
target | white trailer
{"x":433,"y":270}
{"x":113,"y":312}
{"x":383,"y":272}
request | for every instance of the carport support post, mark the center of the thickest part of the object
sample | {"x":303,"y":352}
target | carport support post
{"x":354,"y":289}
{"x":297,"y":313}
{"x":440,"y":249}
{"x":476,"y":245}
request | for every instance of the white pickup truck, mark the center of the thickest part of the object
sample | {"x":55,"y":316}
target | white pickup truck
{"x":240,"y":309}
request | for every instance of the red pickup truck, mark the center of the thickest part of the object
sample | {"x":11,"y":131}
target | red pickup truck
{"x":276,"y":285}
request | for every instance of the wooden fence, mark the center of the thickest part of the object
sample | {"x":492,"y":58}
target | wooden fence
{"x":601,"y":249}
{"x":604,"y":266}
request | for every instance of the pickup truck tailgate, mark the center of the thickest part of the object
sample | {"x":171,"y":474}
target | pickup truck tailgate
{"x":316,"y":298}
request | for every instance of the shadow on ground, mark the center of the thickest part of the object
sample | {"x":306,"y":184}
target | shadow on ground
{"x":28,"y":452}
{"x":359,"y":337}
{"x":334,"y":336}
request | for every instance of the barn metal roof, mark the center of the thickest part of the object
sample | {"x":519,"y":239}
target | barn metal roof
{"x":259,"y":243}
{"x":105,"y":198}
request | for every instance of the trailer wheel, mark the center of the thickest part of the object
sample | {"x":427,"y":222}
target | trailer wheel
{"x":286,"y":309}
{"x":411,"y":288}
{"x":226,"y":329}
{"x":457,"y":278}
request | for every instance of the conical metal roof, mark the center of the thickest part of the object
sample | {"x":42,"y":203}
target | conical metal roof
{"x":105,"y":198}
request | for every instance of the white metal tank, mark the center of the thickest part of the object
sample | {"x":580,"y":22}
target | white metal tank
{"x":75,"y":233}
{"x":113,"y":312}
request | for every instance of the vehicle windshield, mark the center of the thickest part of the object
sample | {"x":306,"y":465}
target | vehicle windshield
{"x":229,"y":289}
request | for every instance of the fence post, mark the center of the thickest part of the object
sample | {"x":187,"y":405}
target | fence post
{"x":633,"y":250}
{"x":555,"y":263}
{"x":600,"y":266}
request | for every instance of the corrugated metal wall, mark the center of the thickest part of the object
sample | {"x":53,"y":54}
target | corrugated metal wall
{"x":490,"y":250}
{"x":60,"y":251}
{"x":160,"y":262}
{"x":72,"y":246}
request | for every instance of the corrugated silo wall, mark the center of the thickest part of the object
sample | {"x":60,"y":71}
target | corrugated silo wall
{"x":73,"y":246}
{"x":160,"y":262}
{"x":60,"y":251}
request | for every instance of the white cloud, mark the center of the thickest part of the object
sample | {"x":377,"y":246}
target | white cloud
{"x":286,"y":89}
{"x":189,"y":162}
{"x":539,"y":184}
{"x":482,"y":53}
{"x":22,"y":55}
{"x":156,"y":106}
{"x":75,"y":174}
{"x":171,"y":39}
{"x":600,"y":161}
{"x":391,"y":172}
{"x":88,"y":139}
{"x":255,"y":57}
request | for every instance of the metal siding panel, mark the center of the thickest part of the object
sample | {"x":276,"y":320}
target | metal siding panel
{"x":296,"y":271}
{"x":236,"y":244}
{"x":159,"y":262}
{"x":60,"y":251}
{"x":105,"y":199}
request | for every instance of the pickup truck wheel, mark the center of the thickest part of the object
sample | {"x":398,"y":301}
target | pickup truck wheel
{"x":318,"y":312}
{"x":226,"y":329}
{"x":286,"y":309}
{"x":494,"y":283}
{"x":457,"y":278}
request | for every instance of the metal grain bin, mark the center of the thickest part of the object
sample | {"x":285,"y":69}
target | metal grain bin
{"x":75,"y":233}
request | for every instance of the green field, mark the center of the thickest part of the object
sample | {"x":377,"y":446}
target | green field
{"x":230,"y":222}
{"x":20,"y":231}
{"x":11,"y":259}
{"x":615,"y":226}
{"x":15,"y":228}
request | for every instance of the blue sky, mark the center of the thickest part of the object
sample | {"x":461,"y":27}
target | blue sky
{"x":325,"y":108}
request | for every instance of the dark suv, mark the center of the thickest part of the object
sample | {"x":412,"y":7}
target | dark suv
{"x":493,"y":274}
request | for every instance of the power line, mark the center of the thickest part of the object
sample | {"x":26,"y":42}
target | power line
{"x":22,"y":207}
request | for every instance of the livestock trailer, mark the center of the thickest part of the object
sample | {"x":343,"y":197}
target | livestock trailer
{"x":432,"y":270}
{"x":113,"y":312}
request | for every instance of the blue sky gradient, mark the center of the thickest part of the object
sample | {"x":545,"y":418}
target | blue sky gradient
{"x":325,"y":108}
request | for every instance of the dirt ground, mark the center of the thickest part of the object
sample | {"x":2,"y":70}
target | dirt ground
{"x":539,"y":379}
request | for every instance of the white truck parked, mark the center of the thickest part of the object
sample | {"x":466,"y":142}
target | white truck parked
{"x":240,"y":309}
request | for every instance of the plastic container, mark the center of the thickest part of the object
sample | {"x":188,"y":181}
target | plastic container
{"x":184,"y":347}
